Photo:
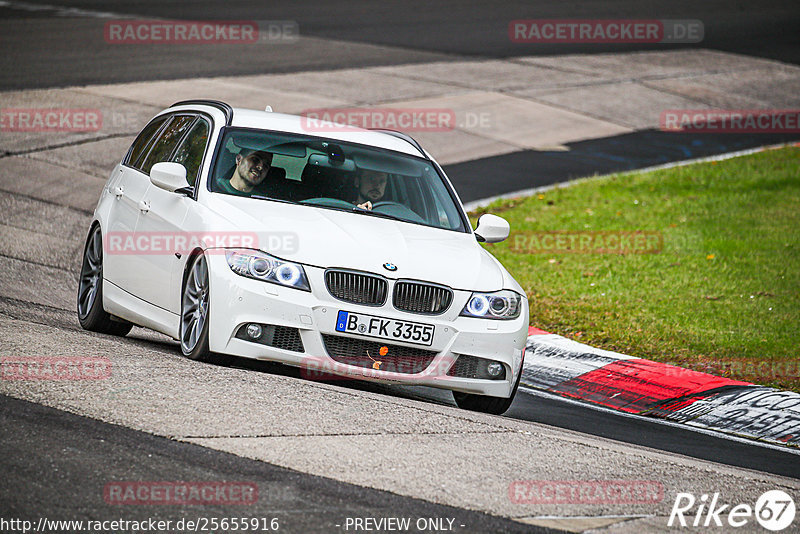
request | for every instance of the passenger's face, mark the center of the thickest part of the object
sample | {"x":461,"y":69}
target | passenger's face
{"x":252,"y":168}
{"x":372,"y":186}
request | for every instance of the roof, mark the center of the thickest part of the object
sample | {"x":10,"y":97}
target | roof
{"x":282,"y":122}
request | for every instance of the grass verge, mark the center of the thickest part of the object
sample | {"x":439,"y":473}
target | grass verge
{"x":704,"y":271}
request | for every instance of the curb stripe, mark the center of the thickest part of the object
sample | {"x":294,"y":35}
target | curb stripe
{"x":673,"y":409}
{"x":761,"y":412}
{"x":533,"y":331}
{"x":638,"y":386}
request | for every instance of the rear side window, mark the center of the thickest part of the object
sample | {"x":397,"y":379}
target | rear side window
{"x":167,"y":140}
{"x":142,"y":141}
{"x":191,"y":150}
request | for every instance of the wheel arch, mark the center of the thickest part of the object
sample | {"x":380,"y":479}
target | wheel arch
{"x":197,"y":251}
{"x":94,"y":224}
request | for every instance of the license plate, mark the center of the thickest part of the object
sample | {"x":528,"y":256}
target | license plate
{"x":383,"y":328}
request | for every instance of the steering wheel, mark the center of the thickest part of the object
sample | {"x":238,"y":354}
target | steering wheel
{"x":325,"y":201}
{"x":387,"y":203}
{"x":402,"y":211}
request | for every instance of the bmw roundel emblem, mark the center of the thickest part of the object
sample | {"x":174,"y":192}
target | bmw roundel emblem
{"x":390,"y":266}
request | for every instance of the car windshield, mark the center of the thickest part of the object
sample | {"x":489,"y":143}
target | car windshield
{"x":335,"y":175}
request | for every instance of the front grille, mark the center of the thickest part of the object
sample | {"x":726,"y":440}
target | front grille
{"x":361,"y":353}
{"x":419,"y":297}
{"x":358,"y":288}
{"x":280,"y":337}
{"x":473,"y":367}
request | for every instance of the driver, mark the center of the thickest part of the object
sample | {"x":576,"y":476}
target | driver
{"x":371,"y":186}
{"x":251,"y":169}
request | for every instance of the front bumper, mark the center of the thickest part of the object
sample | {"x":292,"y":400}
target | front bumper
{"x":236,"y":300}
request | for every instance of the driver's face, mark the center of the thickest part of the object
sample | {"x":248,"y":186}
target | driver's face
{"x":372,"y":185}
{"x":252,"y":168}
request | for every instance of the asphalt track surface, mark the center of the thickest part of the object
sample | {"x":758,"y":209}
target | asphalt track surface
{"x":72,"y":458}
{"x":549,"y":410}
{"x":529,"y":169}
{"x":56,"y":50}
{"x":653,"y":434}
{"x":552,"y":411}
{"x":43,"y":48}
{"x":527,"y":407}
{"x":53,"y":47}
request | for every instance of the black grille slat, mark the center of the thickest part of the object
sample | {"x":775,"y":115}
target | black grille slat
{"x":363,"y":353}
{"x":420,"y":297}
{"x":358,"y":288}
{"x":464,"y":367}
{"x":467,"y":366}
{"x":280,"y":337}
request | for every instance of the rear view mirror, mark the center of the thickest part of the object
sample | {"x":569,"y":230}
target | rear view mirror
{"x":492,"y":229}
{"x":169,"y":176}
{"x":326,"y":160}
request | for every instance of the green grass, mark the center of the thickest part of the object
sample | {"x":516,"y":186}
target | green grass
{"x":721,"y":296}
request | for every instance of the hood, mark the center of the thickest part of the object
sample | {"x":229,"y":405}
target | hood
{"x":330,"y":238}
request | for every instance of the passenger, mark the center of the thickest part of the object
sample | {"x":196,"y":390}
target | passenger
{"x":251,"y":169}
{"x":371,"y":186}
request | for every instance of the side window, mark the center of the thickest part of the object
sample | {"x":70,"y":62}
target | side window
{"x":191,"y":150}
{"x":167,"y":140}
{"x":138,"y":146}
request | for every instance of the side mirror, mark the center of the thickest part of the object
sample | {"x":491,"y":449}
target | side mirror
{"x":169,"y":176}
{"x":492,"y":229}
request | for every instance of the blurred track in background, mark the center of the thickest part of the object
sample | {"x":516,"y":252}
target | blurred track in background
{"x":350,"y":431}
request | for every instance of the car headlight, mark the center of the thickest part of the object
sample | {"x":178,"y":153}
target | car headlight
{"x":262,"y":266}
{"x":503,"y":304}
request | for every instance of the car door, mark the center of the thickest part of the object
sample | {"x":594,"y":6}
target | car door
{"x":165,"y":215}
{"x":143,"y":265}
{"x":128,"y":188}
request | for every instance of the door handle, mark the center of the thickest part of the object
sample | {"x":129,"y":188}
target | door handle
{"x":118,"y":191}
{"x":144,"y":206}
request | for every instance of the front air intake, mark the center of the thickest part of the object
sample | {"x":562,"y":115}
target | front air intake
{"x":356,"y":287}
{"x":422,"y":297}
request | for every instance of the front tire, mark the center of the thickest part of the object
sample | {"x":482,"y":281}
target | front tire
{"x":91,"y":314}
{"x":484,"y":403}
{"x":194,"y":314}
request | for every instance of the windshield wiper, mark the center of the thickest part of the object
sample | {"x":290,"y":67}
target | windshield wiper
{"x":260,"y":197}
{"x":378,"y":214}
{"x":355,"y":208}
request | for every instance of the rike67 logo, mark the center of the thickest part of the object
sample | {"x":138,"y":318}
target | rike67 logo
{"x":774,"y":510}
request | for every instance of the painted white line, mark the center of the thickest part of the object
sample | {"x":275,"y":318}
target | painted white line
{"x":586,"y":516}
{"x":685,"y":426}
{"x":475,"y":204}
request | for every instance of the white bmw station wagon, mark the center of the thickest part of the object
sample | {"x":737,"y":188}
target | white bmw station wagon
{"x":338,"y":250}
